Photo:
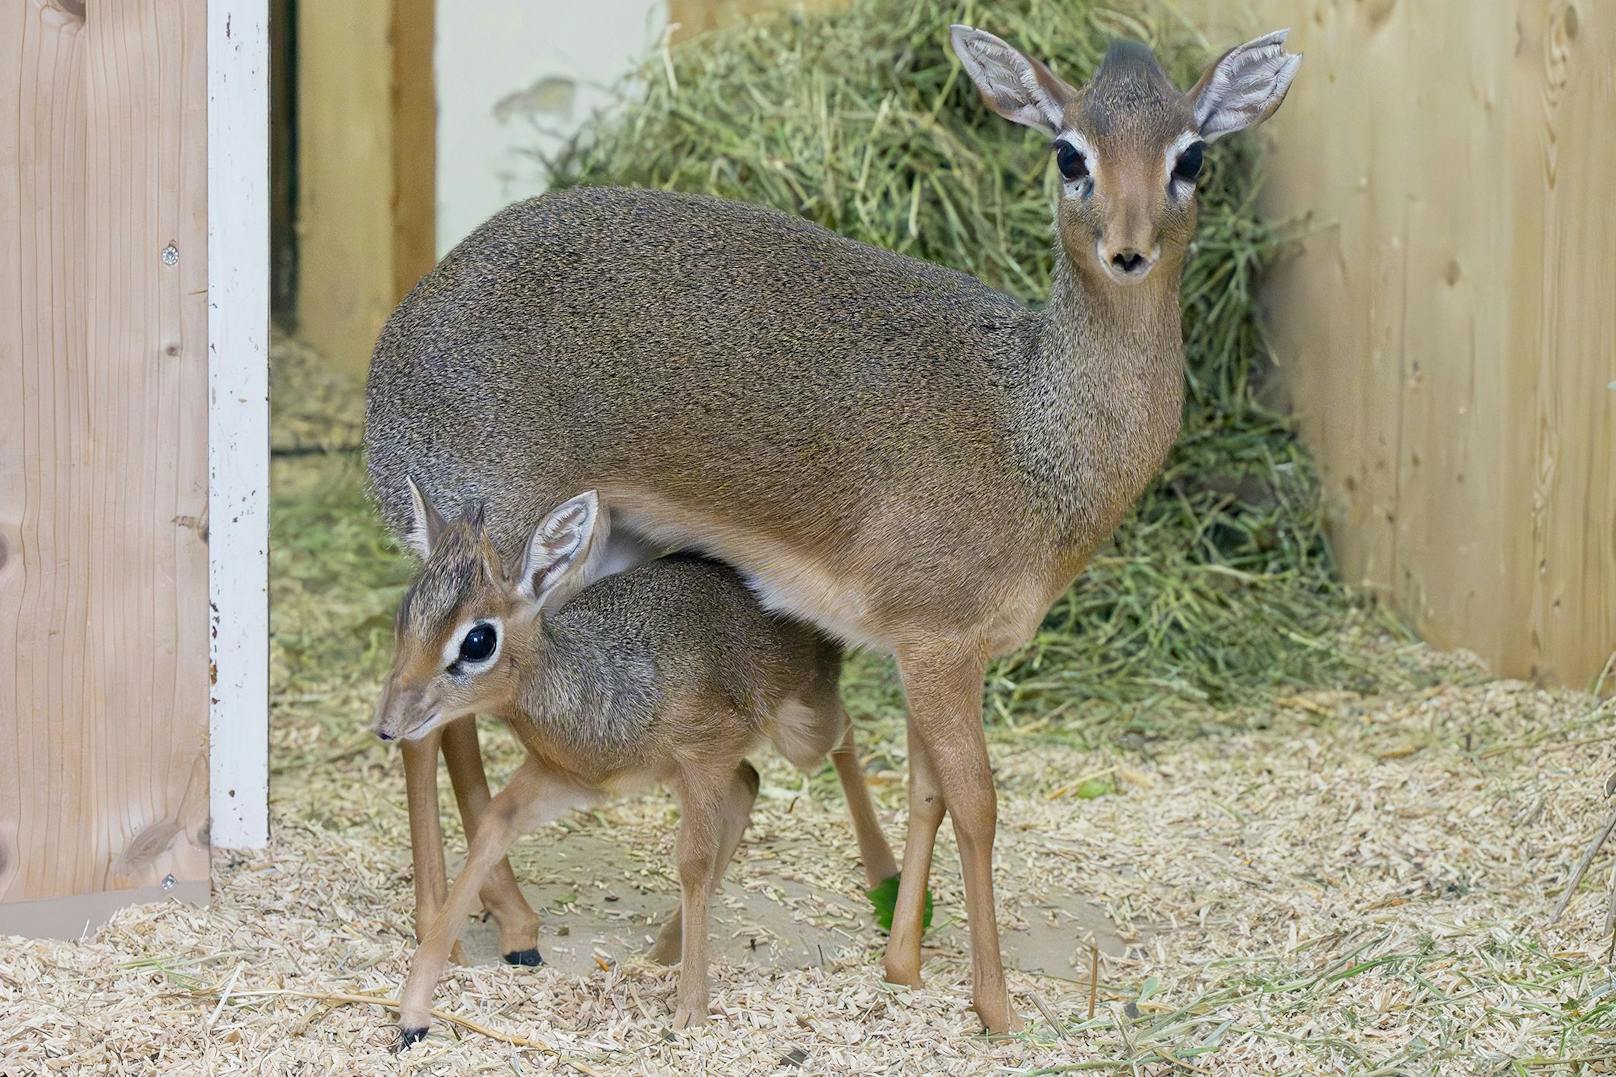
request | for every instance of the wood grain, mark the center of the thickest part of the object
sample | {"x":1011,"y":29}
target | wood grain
{"x":366,"y":169}
{"x":1448,"y":330}
{"x":103,"y":447}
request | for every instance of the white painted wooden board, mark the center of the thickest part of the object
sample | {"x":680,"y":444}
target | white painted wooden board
{"x":238,"y":419}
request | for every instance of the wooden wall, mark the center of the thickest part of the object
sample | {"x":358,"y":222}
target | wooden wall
{"x":1449,"y":330}
{"x":103,"y":457}
{"x":366,"y":167}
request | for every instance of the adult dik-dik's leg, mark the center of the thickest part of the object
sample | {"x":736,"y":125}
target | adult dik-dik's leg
{"x":944,"y":690}
{"x":532,"y":798}
{"x":518,"y":923}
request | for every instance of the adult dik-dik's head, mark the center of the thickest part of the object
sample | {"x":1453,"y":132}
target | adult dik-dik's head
{"x":467,"y":630}
{"x":1129,"y":143}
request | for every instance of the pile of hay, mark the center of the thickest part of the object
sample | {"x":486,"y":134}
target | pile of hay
{"x":1219,"y":588}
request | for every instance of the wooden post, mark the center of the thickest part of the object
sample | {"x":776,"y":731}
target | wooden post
{"x":238,"y":418}
{"x":366,"y":167}
{"x":103,"y":459}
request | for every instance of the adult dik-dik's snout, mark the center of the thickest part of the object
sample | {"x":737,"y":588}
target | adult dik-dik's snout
{"x":1127,"y":264}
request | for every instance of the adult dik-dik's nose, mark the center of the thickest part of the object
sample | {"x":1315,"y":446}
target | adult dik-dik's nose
{"x":1129,"y":264}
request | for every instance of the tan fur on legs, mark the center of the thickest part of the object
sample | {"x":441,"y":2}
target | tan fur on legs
{"x":735,"y":815}
{"x":703,"y":830}
{"x":944,"y":690}
{"x":532,"y":798}
{"x":872,"y":843}
{"x":902,"y":961}
{"x":426,"y":834}
{"x":502,"y":896}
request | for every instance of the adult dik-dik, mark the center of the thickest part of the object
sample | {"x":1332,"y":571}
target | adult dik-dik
{"x":888,"y":448}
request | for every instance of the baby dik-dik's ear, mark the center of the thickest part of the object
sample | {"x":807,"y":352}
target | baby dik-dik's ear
{"x":1244,"y":87}
{"x":425,"y":523}
{"x":562,"y":551}
{"x":1013,"y":84}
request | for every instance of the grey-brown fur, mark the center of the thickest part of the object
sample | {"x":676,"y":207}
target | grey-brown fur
{"x":667,"y":672}
{"x":888,"y":448}
{"x":674,"y":636}
{"x":785,"y":378}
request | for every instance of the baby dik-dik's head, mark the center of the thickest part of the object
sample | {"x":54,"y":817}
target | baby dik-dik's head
{"x":467,"y":629}
{"x":1128,"y":144}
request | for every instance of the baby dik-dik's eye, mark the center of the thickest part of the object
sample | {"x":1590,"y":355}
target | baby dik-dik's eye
{"x":479,"y":644}
{"x":1188,"y":166}
{"x":1073,"y":165}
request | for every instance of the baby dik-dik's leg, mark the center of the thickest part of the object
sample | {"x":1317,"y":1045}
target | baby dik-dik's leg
{"x":426,"y":833}
{"x":502,"y":896}
{"x":532,"y":798}
{"x":712,"y":816}
{"x":734,"y":815}
{"x":909,"y":912}
{"x":872,"y":843}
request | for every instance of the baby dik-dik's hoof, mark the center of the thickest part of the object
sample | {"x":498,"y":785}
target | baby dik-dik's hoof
{"x":407,"y":1038}
{"x":529,"y":957}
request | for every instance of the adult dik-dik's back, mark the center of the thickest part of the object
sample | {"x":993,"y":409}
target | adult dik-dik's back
{"x":889,"y":448}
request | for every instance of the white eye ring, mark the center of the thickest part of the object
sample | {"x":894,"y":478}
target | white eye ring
{"x":451,"y":649}
{"x":1091,"y":161}
{"x":1182,"y":189}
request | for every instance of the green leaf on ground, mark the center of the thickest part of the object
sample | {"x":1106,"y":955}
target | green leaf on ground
{"x":884,"y":896}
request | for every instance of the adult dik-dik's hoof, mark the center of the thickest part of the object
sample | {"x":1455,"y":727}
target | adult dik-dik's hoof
{"x":998,"y":1018}
{"x":529,"y":957}
{"x":690,"y":1016}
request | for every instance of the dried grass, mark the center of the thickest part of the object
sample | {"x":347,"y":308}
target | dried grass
{"x":1329,"y":882}
{"x":1219,"y":587}
{"x":1292,"y":900}
{"x":1355,"y":877}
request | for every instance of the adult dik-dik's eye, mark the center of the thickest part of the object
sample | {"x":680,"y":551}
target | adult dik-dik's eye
{"x":479,"y":643}
{"x":1073,"y":165}
{"x":1188,"y":166}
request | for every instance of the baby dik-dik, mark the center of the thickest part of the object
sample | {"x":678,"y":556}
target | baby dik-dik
{"x":668,"y":672}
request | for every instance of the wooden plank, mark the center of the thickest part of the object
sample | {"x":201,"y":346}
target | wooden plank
{"x":345,"y":176}
{"x":103,"y":430}
{"x":415,"y":143}
{"x":365,"y":167}
{"x":1454,"y":347}
{"x":1447,"y":333}
{"x":1563,"y":126}
{"x":238,"y":418}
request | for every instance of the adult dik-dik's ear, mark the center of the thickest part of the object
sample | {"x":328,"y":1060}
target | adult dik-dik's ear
{"x":1012,"y":83}
{"x":1244,"y":87}
{"x":561,"y":551}
{"x":425,"y":523}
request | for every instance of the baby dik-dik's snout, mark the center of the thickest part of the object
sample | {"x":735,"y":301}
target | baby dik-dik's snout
{"x":403,"y":712}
